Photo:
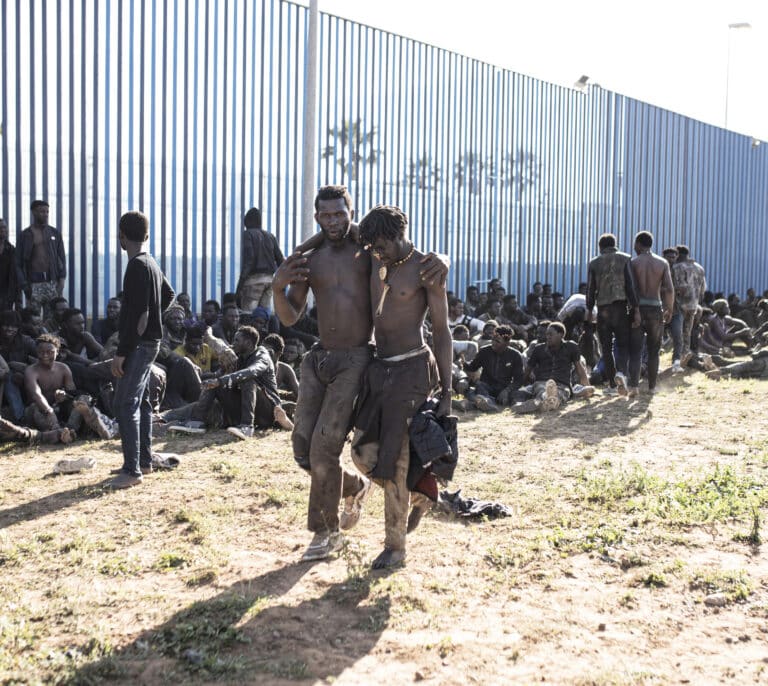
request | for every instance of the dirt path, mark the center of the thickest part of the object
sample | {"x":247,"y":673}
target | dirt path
{"x":632,"y":558}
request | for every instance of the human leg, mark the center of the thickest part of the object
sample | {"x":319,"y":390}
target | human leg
{"x":131,"y":401}
{"x":341,"y":374}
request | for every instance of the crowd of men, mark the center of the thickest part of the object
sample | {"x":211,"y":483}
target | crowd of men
{"x":607,"y":336}
{"x":385,"y":351}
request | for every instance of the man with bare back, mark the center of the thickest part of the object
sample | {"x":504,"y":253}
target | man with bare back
{"x":656,"y":298}
{"x":50,"y":386}
{"x":338,"y":272}
{"x":404,"y":372}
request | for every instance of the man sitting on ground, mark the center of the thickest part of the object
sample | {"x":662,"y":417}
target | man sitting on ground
{"x":248,"y":395}
{"x":551,"y":365}
{"x":50,"y":386}
{"x":502,"y":372}
{"x":722,"y":330}
{"x":287,"y":383}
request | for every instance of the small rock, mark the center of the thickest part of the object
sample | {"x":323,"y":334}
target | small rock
{"x":275,"y":634}
{"x":729,"y":639}
{"x":601,"y":626}
{"x":194,"y":657}
{"x":716,"y":600}
{"x":418,"y":676}
{"x":745,"y":637}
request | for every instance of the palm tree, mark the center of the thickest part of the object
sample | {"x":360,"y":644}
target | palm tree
{"x":351,"y":146}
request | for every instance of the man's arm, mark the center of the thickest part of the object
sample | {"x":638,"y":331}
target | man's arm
{"x":667,"y":293}
{"x":437,"y":301}
{"x":34,"y":391}
{"x":591,"y":287}
{"x":291,"y":274}
{"x":167,"y":295}
{"x":92,"y":346}
{"x":61,"y":260}
{"x":581,"y":370}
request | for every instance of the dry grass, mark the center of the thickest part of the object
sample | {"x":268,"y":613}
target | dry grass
{"x":626,"y":518}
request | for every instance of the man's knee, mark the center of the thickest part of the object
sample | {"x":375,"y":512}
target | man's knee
{"x":364,"y":456}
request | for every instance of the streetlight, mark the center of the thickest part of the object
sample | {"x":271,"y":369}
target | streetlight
{"x":737,"y":25}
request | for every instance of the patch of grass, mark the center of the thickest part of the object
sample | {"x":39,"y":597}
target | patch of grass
{"x":735,"y":584}
{"x":603,"y":489}
{"x":226,"y":471}
{"x":753,"y":537}
{"x":654,"y":579}
{"x":289,"y":669}
{"x":207,"y":627}
{"x":718,"y":496}
{"x":202,"y":577}
{"x":168,"y":561}
{"x":119,"y":566}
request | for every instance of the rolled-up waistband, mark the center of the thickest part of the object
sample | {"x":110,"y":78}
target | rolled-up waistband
{"x":404,"y":356}
{"x":649,"y":302}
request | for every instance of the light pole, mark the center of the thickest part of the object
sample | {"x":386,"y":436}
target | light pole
{"x":737,"y":25}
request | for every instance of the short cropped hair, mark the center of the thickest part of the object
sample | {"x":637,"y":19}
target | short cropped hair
{"x":644,"y":238}
{"x":683,"y":250}
{"x":38,"y":203}
{"x":607,"y":240}
{"x":196,"y":330}
{"x":69,"y":313}
{"x":250,"y":333}
{"x":504,"y":331}
{"x":333,"y":193}
{"x":49,"y":338}
{"x":276,"y":342}
{"x":383,"y":221}
{"x":252,"y":218}
{"x":558,"y":326}
{"x":134,"y":226}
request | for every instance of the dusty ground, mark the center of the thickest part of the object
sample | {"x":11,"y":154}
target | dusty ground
{"x":626,"y":519}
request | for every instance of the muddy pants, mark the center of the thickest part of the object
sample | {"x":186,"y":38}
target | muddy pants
{"x":330,"y":382}
{"x":394,"y":390}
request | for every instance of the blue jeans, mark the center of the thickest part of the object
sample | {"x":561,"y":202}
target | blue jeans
{"x":681,"y":327}
{"x":132,"y":407}
{"x":12,"y":394}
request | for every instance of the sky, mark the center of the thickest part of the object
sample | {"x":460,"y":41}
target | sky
{"x":670,"y":53}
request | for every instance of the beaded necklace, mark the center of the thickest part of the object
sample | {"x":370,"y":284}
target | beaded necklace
{"x":383,"y":275}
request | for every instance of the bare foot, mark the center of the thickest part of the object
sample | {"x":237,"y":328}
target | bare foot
{"x":388,"y":558}
{"x":282,"y":418}
{"x":66,"y":436}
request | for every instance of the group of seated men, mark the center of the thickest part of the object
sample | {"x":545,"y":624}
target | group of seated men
{"x":213,"y":370}
{"x":537,"y":357}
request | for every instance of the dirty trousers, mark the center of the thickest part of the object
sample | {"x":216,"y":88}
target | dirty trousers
{"x":330,"y":382}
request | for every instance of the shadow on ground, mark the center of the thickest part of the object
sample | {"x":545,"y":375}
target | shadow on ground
{"x":241,"y":636}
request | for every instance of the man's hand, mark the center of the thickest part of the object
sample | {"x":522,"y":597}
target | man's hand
{"x":435,"y":268}
{"x":117,"y":366}
{"x":210,"y":384}
{"x":666,"y":316}
{"x":636,"y":320}
{"x":59,"y":396}
{"x":444,"y":408}
{"x":60,"y":286}
{"x":292,"y":270}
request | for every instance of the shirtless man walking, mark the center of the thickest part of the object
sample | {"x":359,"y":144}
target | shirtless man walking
{"x":656,"y":298}
{"x":404,"y":372}
{"x":338,"y":272}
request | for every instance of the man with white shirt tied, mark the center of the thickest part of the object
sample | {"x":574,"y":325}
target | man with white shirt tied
{"x":456,"y":316}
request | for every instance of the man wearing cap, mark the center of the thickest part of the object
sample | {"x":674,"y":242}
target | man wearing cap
{"x":40,"y":260}
{"x":260,"y":256}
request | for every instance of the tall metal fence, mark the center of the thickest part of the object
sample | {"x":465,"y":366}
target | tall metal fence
{"x":191,"y":111}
